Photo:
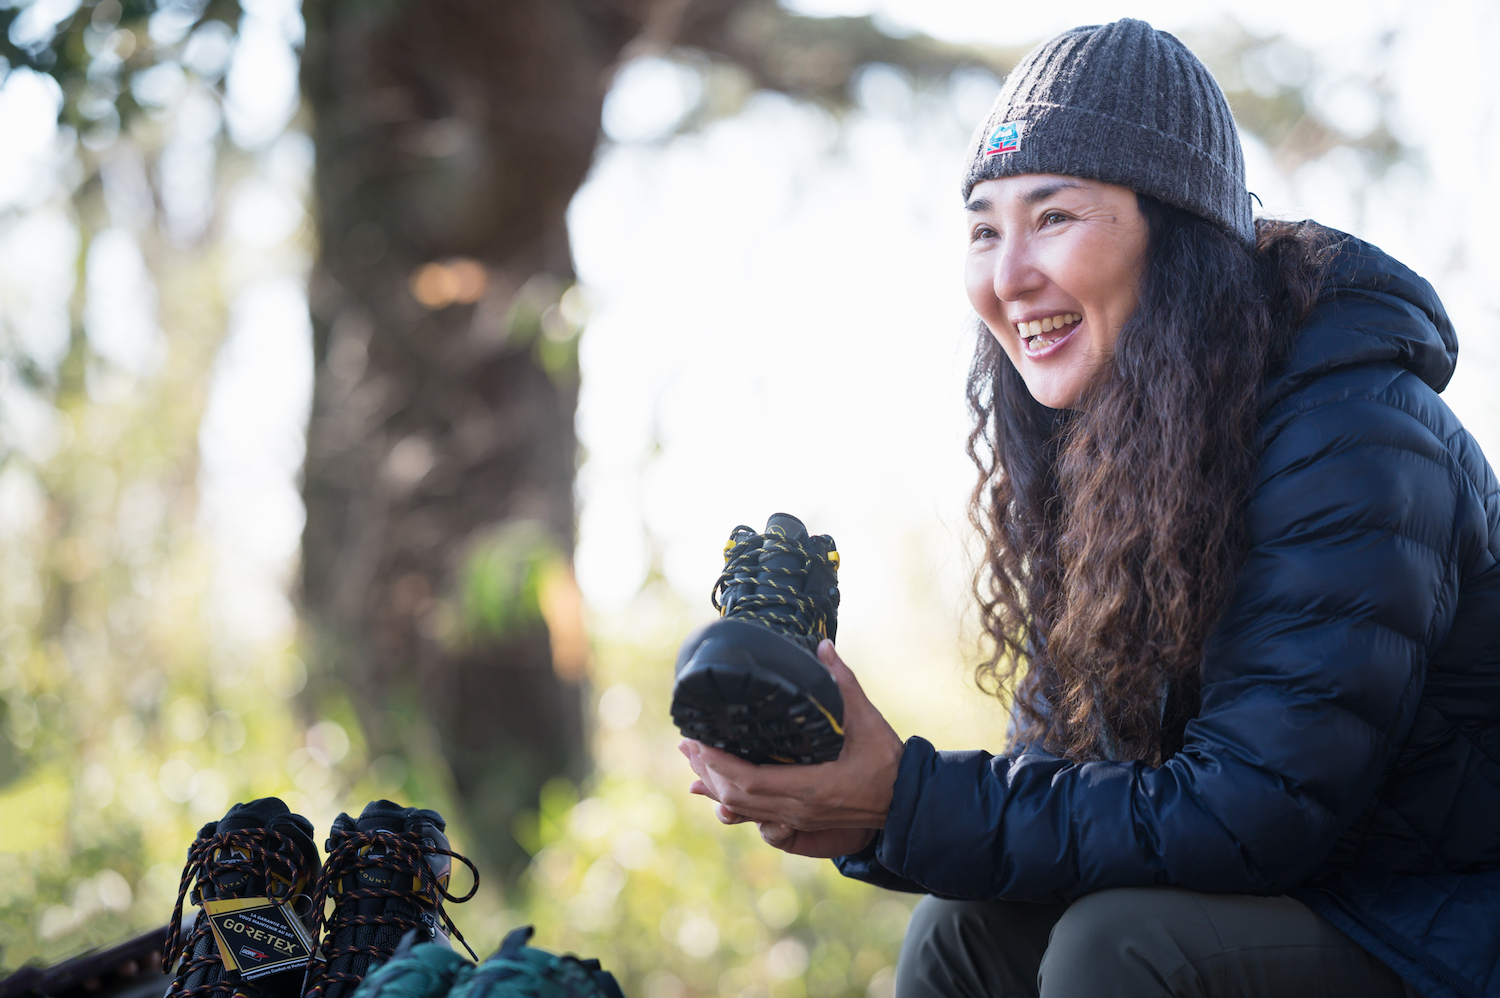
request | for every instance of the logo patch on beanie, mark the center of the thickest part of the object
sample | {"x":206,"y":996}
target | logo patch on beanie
{"x":1004,"y":137}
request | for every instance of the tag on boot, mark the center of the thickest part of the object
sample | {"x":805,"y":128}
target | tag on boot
{"x":257,"y":937}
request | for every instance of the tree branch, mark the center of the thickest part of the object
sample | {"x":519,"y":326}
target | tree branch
{"x":813,"y":58}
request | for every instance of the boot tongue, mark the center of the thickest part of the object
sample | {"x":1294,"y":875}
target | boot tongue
{"x":787,"y":525}
{"x":382,"y":815}
{"x":271,"y":812}
{"x":392,"y":817}
{"x":256,"y":814}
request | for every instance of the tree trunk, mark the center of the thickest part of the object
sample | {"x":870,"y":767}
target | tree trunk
{"x":450,"y":137}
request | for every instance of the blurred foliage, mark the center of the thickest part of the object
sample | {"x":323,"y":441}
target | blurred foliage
{"x":128,"y":714}
{"x":114,"y":60}
{"x":1273,"y":84}
{"x":501,"y":583}
{"x":628,"y":868}
{"x":740,"y":46}
{"x":551,"y":318}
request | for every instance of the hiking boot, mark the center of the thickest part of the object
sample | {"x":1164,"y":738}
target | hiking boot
{"x":387,"y":873}
{"x":750,"y":682}
{"x":259,"y":850}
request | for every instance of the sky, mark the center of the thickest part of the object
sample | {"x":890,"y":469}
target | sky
{"x":778,"y":322}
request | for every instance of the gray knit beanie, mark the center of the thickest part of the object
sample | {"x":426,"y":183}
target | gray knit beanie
{"x":1125,"y":104}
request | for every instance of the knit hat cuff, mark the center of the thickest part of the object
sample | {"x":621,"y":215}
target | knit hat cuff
{"x":1078,"y":142}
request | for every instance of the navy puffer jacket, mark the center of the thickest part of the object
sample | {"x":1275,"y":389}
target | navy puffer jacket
{"x":1347,"y":750}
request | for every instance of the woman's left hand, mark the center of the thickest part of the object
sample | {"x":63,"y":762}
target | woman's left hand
{"x":852,"y":792}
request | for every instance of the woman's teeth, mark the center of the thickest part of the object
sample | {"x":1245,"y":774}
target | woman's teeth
{"x":1032,"y":331}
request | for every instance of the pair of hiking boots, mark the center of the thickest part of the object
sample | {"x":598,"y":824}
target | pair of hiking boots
{"x":261,"y":888}
{"x":750,"y":682}
{"x":256,"y":877}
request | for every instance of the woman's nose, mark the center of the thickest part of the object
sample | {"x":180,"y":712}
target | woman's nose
{"x":1015,"y":271}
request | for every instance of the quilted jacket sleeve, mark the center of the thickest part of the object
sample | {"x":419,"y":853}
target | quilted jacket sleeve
{"x":1309,"y":683}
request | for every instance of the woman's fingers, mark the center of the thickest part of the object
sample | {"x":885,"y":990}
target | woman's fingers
{"x":740,"y":788}
{"x":774,"y":833}
{"x":829,"y":656}
{"x":704,"y":784}
{"x":823,"y":845}
{"x":691,"y":750}
{"x":863,"y":721}
{"x":856,"y":704}
{"x":721,"y":774}
{"x":729,"y":765}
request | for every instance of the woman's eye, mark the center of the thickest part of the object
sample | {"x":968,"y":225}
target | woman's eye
{"x":982,"y":232}
{"x":1053,"y":217}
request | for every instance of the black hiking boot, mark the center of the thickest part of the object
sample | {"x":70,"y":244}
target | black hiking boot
{"x":387,"y":873}
{"x":259,"y":850}
{"x":750,"y":682}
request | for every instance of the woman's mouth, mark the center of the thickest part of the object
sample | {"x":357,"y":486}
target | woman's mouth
{"x":1040,"y":334}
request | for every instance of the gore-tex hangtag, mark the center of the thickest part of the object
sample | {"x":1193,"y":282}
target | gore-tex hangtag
{"x":256,"y":936}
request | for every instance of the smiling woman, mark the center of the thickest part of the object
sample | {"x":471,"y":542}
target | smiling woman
{"x":1054,"y":270}
{"x":1241,"y":576}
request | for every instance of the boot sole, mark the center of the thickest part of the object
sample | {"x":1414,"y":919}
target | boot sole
{"x":746,"y":689}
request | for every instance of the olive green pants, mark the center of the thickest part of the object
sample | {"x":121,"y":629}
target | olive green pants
{"x":1134,"y":943}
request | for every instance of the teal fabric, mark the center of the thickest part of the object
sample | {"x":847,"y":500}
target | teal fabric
{"x":427,"y":970}
{"x":521,"y":971}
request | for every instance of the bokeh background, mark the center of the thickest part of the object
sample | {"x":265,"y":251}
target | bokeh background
{"x":379,"y":380}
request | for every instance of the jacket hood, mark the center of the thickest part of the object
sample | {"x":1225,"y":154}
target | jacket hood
{"x":1373,"y":309}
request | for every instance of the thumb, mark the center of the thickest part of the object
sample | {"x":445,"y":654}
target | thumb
{"x":848,"y":684}
{"x":862,"y":719}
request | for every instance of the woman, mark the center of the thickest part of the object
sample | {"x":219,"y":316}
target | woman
{"x":1243,"y":579}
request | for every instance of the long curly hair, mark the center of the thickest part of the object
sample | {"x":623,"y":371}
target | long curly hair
{"x":1113,"y":532}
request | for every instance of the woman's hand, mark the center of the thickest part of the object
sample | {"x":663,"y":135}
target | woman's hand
{"x":826,"y":844}
{"x":827,"y":809}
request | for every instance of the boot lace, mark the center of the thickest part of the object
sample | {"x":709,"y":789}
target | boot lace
{"x":778,"y":602}
{"x":405,"y":855}
{"x":250,"y":852}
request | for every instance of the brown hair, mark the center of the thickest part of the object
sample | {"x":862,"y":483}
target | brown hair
{"x":1113,"y":533}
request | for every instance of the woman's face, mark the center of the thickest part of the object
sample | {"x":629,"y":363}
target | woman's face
{"x":1054,"y":270}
